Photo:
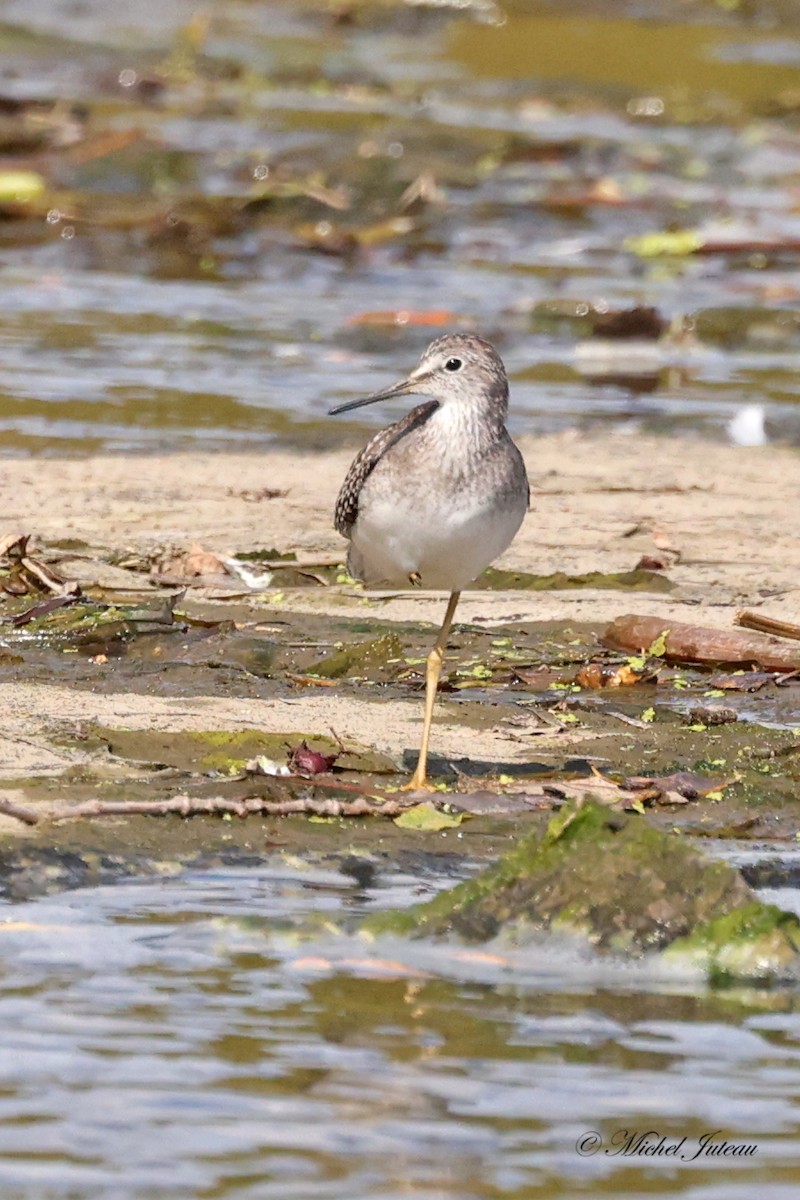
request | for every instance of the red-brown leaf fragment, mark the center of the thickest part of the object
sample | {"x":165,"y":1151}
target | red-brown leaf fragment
{"x":304,"y":760}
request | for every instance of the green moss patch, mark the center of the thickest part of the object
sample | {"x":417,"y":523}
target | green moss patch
{"x":626,"y":887}
{"x":228,"y":751}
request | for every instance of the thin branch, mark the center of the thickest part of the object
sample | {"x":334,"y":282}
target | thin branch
{"x":763,"y":624}
{"x":188,"y":806}
{"x":27,"y":815}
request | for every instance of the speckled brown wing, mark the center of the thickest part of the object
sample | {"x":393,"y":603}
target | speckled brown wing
{"x":346,"y":511}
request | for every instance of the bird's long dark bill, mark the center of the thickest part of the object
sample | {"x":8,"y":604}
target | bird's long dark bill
{"x":412,"y":384}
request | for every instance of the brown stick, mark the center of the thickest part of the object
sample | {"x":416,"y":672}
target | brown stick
{"x":26,"y":815}
{"x":763,"y":624}
{"x":696,"y":644}
{"x":187,"y":806}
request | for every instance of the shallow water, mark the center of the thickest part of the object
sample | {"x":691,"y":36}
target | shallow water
{"x":157,"y":1043}
{"x":160,"y":1040}
{"x":160,"y":295}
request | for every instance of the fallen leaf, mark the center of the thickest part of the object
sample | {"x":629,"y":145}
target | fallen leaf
{"x":302,"y":760}
{"x":745,"y":681}
{"x":687,"y":785}
{"x":427,"y":818}
{"x":658,"y":647}
{"x":196,"y":561}
{"x":649,"y":562}
{"x":711,"y":714}
{"x":13,"y":541}
{"x":44,"y":607}
{"x":47,"y":579}
{"x":598,"y":675}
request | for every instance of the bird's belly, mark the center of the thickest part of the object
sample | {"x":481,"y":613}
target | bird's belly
{"x":446,"y":550}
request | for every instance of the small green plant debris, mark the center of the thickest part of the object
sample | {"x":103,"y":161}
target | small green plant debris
{"x":427,"y":818}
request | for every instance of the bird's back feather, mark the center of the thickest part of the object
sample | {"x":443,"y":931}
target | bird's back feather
{"x":346,"y":512}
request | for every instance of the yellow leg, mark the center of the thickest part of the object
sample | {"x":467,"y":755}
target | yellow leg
{"x":419,"y":779}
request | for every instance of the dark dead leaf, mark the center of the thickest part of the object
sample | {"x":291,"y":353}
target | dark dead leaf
{"x":14,"y":585}
{"x":711,"y":714}
{"x":303,"y":760}
{"x":746,"y":681}
{"x":639,"y":791}
{"x":46,"y":577}
{"x":13,"y":545}
{"x":44,"y":607}
{"x":688,"y":785}
{"x":653,"y":562}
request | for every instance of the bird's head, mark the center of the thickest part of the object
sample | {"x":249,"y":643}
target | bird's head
{"x":459,"y":368}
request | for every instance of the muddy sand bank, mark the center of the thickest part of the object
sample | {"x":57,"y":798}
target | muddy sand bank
{"x":727,"y":519}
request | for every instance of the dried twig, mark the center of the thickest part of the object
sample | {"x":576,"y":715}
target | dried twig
{"x":11,"y":809}
{"x":190,"y":806}
{"x":763,"y":624}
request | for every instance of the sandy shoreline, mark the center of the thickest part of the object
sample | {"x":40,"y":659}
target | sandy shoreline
{"x":732,"y":513}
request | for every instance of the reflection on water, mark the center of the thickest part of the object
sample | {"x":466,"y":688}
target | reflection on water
{"x":156,"y":1043}
{"x":228,"y":182}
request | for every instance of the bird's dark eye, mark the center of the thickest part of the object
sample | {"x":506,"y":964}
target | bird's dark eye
{"x":453,"y":364}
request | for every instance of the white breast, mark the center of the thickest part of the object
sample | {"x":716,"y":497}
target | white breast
{"x":444,"y":531}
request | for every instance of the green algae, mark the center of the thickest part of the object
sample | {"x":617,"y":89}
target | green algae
{"x":625,"y":886}
{"x":639,"y":580}
{"x":755,"y":941}
{"x":360,"y":658}
{"x":227,"y":751}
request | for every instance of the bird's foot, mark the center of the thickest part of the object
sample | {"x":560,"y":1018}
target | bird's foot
{"x":420,"y":784}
